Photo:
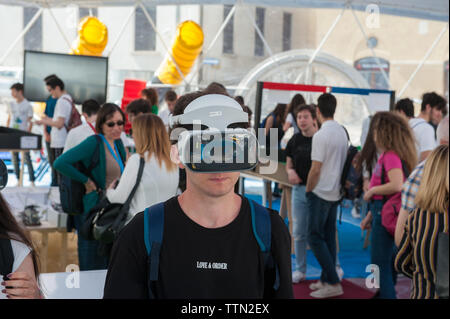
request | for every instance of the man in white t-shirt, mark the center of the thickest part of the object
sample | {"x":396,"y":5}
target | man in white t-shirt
{"x":170,"y":98}
{"x":19,"y":117}
{"x":323,"y":193}
{"x":61,"y":117}
{"x":423,"y":131}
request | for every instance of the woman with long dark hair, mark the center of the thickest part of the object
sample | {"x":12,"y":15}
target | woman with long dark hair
{"x":291,"y":111}
{"x":19,"y":264}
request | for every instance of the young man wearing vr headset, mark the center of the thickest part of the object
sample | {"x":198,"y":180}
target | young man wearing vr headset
{"x":209,"y":244}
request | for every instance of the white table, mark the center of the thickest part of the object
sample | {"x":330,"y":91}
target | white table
{"x":73,"y":285}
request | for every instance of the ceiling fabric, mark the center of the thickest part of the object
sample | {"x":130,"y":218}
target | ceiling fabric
{"x":429,"y":9}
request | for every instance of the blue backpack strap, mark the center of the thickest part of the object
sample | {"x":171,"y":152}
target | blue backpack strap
{"x":153,"y":236}
{"x":262,"y":230}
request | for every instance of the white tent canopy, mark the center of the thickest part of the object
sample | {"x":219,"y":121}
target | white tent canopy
{"x":430,"y":9}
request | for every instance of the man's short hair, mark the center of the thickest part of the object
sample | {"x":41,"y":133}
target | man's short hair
{"x":327,"y":105}
{"x":170,"y":96}
{"x":407,"y":106}
{"x":17,"y":86}
{"x":54,"y":81}
{"x":435,"y":101}
{"x":306,"y":107}
{"x":90,"y":107}
{"x":442,"y":131}
{"x":139,"y":106}
{"x":48,"y":77}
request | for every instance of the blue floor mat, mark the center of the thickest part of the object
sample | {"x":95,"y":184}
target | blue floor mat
{"x":353,"y":258}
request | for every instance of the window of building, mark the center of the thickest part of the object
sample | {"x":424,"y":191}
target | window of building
{"x":84,"y":12}
{"x":369,"y":69}
{"x":287,"y":31}
{"x":259,"y":44}
{"x":33,"y":38}
{"x":144,"y":35}
{"x":228,"y":32}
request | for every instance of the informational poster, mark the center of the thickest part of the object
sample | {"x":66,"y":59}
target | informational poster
{"x":28,"y":142}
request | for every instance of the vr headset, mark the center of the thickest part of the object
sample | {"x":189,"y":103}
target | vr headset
{"x":3,"y":175}
{"x":217,"y":147}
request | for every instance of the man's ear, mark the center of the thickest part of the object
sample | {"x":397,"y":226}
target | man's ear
{"x":175,"y":156}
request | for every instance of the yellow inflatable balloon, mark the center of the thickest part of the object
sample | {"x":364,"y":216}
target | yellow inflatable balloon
{"x":186,"y":47}
{"x":92,"y":37}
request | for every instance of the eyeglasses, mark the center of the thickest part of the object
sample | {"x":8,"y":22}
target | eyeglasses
{"x":112,"y":124}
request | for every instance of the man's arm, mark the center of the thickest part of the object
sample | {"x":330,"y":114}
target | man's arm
{"x":8,"y":120}
{"x":59,"y":123}
{"x":292,"y":174}
{"x":313,"y":176}
{"x":30,"y":124}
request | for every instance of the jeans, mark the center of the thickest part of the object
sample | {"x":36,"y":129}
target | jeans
{"x":382,"y":253}
{"x":89,"y":256}
{"x":51,"y":159}
{"x":16,"y":163}
{"x":322,"y":235}
{"x":300,"y":225}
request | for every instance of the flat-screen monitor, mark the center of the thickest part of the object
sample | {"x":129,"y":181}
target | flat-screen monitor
{"x":84,"y":77}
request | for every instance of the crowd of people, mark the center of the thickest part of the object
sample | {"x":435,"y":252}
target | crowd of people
{"x":403,"y":163}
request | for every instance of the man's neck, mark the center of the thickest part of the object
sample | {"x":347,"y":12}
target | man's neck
{"x":20,"y":99}
{"x":309,"y":132}
{"x":208,"y":211}
{"x":327,"y":119}
{"x":424,"y":117}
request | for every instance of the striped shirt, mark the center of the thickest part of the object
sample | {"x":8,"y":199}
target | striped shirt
{"x":411,"y":187}
{"x":416,"y":257}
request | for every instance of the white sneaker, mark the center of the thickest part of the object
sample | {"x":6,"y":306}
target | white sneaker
{"x":340,"y":272}
{"x":355,"y":214}
{"x":298,"y":276}
{"x":316,"y":285}
{"x":328,"y":291}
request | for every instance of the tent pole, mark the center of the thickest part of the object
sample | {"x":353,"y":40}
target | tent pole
{"x":149,"y":18}
{"x":222,"y":27}
{"x":383,"y":72}
{"x":21,"y":35}
{"x":322,"y":43}
{"x":122,"y":30}
{"x":58,"y":26}
{"x":427,"y":55}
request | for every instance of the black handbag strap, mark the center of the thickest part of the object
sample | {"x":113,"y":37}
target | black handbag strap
{"x":383,"y":172}
{"x":126,"y":205}
{"x":138,"y":180}
{"x":6,"y":257}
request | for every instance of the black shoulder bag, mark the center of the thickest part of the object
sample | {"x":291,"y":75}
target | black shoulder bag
{"x":109,"y":218}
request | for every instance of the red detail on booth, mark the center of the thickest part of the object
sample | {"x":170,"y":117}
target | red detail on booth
{"x":131,"y":91}
{"x":294,"y":87}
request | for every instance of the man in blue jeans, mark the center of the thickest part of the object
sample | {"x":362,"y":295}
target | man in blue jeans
{"x":328,"y":154}
{"x":298,"y":163}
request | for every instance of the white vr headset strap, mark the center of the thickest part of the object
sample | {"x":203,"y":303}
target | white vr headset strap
{"x":218,"y":117}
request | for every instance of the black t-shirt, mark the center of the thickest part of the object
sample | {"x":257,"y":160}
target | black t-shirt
{"x":198,"y":262}
{"x":299,"y":149}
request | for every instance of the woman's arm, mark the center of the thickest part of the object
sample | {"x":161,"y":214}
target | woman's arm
{"x":22,"y":283}
{"x":269,"y":124}
{"x":394,"y":186}
{"x":64,"y":163}
{"x":127,"y":181}
{"x":403,"y":260}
